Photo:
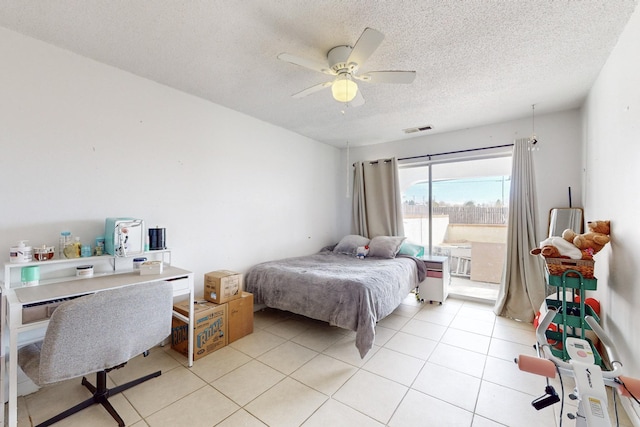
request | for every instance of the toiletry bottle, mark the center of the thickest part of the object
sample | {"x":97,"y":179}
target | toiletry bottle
{"x":72,"y":249}
{"x":65,"y":237}
{"x":99,"y":249}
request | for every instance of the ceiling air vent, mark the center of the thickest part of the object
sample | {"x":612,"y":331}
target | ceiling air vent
{"x":417,"y":129}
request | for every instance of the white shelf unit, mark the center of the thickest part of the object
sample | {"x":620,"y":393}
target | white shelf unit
{"x":435,"y":287}
{"x":58,"y":280}
{"x":59,"y":270}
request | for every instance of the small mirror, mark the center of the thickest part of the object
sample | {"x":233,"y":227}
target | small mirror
{"x":562,"y":218}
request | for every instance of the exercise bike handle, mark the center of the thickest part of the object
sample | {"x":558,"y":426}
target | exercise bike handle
{"x":604,"y":338}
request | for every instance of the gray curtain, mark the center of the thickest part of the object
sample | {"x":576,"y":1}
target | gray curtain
{"x":377,"y":204}
{"x":523,"y":287}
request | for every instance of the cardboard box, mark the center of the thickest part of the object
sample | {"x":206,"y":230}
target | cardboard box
{"x":222,"y":286}
{"x":209,"y":330}
{"x":240,"y":316}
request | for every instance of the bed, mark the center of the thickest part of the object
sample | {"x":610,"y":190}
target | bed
{"x":335,"y":286}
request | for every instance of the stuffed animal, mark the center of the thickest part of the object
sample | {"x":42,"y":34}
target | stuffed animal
{"x":547,"y":251}
{"x":362,"y":252}
{"x":593,"y":241}
{"x":557,"y":247}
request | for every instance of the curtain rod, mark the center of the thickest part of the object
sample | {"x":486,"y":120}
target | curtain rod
{"x":469,"y":150}
{"x":455,"y":152}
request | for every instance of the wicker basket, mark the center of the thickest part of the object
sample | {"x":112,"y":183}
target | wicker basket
{"x":557,"y":267}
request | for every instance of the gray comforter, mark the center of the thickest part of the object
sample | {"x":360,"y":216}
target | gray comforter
{"x":340,"y":289}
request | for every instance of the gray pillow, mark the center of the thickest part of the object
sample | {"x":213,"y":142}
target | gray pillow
{"x":349,"y":244}
{"x":385,"y":246}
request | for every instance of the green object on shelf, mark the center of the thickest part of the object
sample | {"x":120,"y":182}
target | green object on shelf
{"x":570,"y":316}
{"x":575,"y":320}
{"x":572,"y":282}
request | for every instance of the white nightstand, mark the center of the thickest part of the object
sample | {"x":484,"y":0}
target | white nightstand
{"x":435,"y":287}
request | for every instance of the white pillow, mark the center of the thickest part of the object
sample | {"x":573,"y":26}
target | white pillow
{"x":385,"y":246}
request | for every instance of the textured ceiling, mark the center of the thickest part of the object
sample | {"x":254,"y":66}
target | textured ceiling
{"x":477,"y":62}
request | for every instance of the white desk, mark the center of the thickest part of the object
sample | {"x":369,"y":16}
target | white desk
{"x":16,"y":298}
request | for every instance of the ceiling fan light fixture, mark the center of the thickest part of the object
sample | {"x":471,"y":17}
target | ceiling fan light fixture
{"x":344,"y":89}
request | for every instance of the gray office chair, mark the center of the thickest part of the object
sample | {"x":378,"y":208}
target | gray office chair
{"x":98,"y":333}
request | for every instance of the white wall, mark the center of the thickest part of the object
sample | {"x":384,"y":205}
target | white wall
{"x":611,"y":119}
{"x":557,"y":162}
{"x":81,"y":141}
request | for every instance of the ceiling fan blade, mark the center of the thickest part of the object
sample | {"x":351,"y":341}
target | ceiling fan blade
{"x":368,"y":42}
{"x":388,"y":77}
{"x":312,"y":89}
{"x":306,"y":63}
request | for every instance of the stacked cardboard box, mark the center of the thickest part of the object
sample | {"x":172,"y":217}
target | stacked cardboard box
{"x":222,"y":286}
{"x":225,"y":316}
{"x":240,"y":316}
{"x":209,"y":330}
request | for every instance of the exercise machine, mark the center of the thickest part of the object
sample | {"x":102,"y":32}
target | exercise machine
{"x":590,"y":379}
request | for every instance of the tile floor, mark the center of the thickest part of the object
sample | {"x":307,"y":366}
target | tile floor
{"x":432,"y":365}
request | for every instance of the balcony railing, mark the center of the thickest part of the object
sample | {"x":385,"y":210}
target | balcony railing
{"x":460,"y":214}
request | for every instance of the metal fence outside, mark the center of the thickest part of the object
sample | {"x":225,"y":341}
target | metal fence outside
{"x":460,"y":214}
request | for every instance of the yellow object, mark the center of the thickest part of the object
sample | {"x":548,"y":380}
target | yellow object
{"x":72,"y":250}
{"x":344,"y":89}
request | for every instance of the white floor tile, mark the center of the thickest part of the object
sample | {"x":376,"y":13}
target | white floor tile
{"x":160,"y":392}
{"x":514,"y":334}
{"x":467,"y":340}
{"x":407,"y":310}
{"x":241,"y":418}
{"x":383,"y":335}
{"x":506,"y":373}
{"x":411,"y":345}
{"x":439,"y":317}
{"x":504,"y":321}
{"x":345,"y":350}
{"x":257,"y":343}
{"x":449,"y":385}
{"x":508,"y":350}
{"x":372,"y":395}
{"x":459,"y":359}
{"x":479,"y":421}
{"x":209,"y":407}
{"x":430,"y":365}
{"x":336,"y":414}
{"x":394,"y":366}
{"x":54,"y":399}
{"x":287,"y":357}
{"x":418,"y":409}
{"x":511,"y":407}
{"x":219,"y":363}
{"x":324,"y":373}
{"x":288,"y":403}
{"x":424,"y":329}
{"x":475,"y":326}
{"x":288,"y":328}
{"x":319,"y":338}
{"x":393,"y":321}
{"x":268,"y":316}
{"x":248,"y":382}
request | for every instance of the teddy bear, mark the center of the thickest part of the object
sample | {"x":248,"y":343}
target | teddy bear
{"x":547,"y":251}
{"x":593,"y":241}
{"x":557,"y":247}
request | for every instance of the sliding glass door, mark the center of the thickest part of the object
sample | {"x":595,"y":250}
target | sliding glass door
{"x":459,"y":209}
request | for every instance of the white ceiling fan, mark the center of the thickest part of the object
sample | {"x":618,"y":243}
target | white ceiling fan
{"x":344,"y":62}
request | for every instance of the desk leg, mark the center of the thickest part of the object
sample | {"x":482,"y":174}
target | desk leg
{"x":13,"y":380}
{"x":191,"y":325}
